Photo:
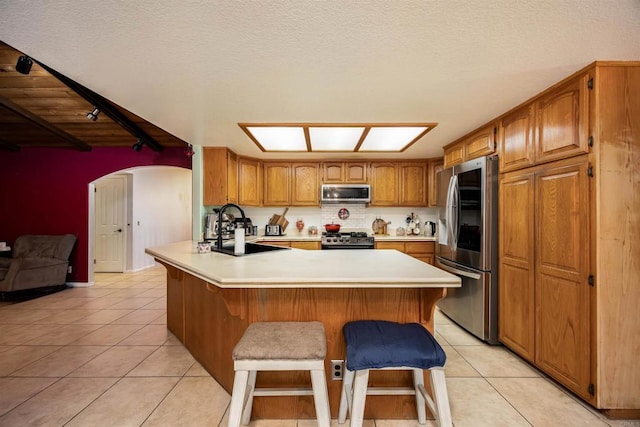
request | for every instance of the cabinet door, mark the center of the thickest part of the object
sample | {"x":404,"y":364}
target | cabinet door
{"x":384,"y":184}
{"x":355,"y":172}
{"x":516,"y":279}
{"x":562,"y":121}
{"x":435,"y":166}
{"x":305,"y":184}
{"x":220,"y":176}
{"x":399,"y":246}
{"x":516,"y":149}
{"x":481,"y":143}
{"x":413,"y":184}
{"x":249,"y":182}
{"x":277,"y":184}
{"x":562,"y":258}
{"x":333,"y":172}
{"x":310,"y":246}
{"x":454,"y":155}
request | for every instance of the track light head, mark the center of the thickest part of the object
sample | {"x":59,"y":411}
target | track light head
{"x":93,"y":115}
{"x":138,"y":145}
{"x":24,"y":64}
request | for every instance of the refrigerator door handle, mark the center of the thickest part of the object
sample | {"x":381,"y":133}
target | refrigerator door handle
{"x":455,"y":270}
{"x":452,"y":206}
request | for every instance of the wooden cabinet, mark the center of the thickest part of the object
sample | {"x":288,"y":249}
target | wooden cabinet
{"x":435,"y":166}
{"x":277,"y":183}
{"x":399,"y":183}
{"x":562,"y":121}
{"x":544,"y":267}
{"x":480,"y":143}
{"x":220,"y":181}
{"x":344,"y":172}
{"x":297,"y":244}
{"x":422,"y":250}
{"x":384,"y":184}
{"x":453,"y":154}
{"x":516,"y":147}
{"x":413,"y":183}
{"x":249,"y":182}
{"x":552,"y":127}
{"x":305,"y":187}
{"x":291,"y":184}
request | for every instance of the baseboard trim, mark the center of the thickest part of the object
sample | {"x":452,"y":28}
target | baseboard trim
{"x":80,"y":284}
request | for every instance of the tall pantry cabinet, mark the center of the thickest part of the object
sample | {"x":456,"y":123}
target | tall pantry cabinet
{"x":569,"y":224}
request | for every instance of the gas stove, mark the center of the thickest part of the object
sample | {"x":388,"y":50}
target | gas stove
{"x":347,"y":240}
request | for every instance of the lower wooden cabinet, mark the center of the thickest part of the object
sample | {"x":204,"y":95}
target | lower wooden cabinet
{"x":422,"y":250}
{"x":297,"y":244}
{"x":544,"y":293}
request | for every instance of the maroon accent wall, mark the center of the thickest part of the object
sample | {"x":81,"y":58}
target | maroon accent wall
{"x":45,"y":190}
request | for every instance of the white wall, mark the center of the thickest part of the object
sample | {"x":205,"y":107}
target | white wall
{"x":161,"y":210}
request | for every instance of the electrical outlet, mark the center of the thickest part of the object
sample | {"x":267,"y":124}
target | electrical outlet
{"x":69,"y":269}
{"x":336,"y":370}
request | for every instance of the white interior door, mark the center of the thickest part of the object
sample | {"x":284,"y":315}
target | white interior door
{"x":110,"y":227}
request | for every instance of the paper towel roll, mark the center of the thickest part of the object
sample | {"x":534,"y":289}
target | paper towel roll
{"x":238,"y":248}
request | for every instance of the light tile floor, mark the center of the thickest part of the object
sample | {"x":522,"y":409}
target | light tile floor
{"x":102,"y":356}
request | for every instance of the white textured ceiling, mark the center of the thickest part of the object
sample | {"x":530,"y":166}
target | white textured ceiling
{"x":197,"y":68}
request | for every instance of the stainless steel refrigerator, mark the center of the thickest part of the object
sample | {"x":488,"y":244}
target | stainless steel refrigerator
{"x":467,"y":244}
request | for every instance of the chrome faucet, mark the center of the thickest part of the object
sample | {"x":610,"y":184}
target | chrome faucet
{"x":220,"y":212}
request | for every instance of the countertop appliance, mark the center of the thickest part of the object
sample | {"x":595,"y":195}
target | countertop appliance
{"x":467,"y":244}
{"x":345,"y":193}
{"x":347,"y":240}
{"x":273,"y":230}
{"x":212,"y":228}
{"x":248,"y":229}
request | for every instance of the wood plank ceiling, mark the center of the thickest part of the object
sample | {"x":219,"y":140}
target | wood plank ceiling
{"x":39,"y":110}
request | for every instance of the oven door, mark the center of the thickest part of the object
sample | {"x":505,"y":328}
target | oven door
{"x":473,"y":305}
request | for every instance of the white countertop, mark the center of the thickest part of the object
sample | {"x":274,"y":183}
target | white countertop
{"x":298,"y":268}
{"x":295,"y":235}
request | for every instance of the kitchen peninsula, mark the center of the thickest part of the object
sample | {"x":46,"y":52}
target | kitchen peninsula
{"x":212,"y":298}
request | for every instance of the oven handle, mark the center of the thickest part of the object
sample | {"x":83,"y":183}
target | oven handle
{"x":451,"y":268}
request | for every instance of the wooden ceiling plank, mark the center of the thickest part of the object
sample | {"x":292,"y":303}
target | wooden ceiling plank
{"x":45,"y":125}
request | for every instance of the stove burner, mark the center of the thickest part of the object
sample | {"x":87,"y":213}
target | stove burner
{"x":347,"y":240}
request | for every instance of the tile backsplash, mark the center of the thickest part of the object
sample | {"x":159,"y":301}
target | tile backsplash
{"x":351,"y":215}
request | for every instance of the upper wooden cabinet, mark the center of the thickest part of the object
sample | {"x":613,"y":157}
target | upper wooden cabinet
{"x":249,"y":182}
{"x":562,"y":121}
{"x":344,"y":172}
{"x":291,"y":184}
{"x":516,"y":147}
{"x":220,"y":182}
{"x":305,"y":188}
{"x":435,"y":166}
{"x":399,"y":183}
{"x":413,"y":183}
{"x":480,"y":143}
{"x":552,"y":127}
{"x":384,"y":184}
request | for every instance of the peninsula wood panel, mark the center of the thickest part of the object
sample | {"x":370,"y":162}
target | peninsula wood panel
{"x":215,"y":319}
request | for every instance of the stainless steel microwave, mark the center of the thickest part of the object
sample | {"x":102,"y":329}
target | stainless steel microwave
{"x":345,"y":193}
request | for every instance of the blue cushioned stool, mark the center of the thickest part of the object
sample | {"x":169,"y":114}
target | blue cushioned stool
{"x":377,"y":344}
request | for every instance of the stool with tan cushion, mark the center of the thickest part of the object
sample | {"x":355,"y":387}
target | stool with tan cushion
{"x":279,"y":346}
{"x":377,"y":344}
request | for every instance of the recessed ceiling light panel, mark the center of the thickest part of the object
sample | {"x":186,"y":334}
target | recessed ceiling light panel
{"x":390,"y":138}
{"x":280,"y":138}
{"x":334,"y":138}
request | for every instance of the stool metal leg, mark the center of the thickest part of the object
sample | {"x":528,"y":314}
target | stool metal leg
{"x":418,"y":381}
{"x":321,"y":397}
{"x":440,"y":396}
{"x":237,"y":397}
{"x":359,"y":397}
{"x":346,"y":396}
{"x":251,"y":386}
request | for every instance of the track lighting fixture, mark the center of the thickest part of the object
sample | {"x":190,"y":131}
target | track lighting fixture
{"x":138,"y":145}
{"x":93,"y":115}
{"x":24,"y":64}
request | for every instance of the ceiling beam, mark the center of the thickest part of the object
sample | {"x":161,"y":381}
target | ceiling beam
{"x":8,"y":146}
{"x":105,"y":107}
{"x":80,"y":145}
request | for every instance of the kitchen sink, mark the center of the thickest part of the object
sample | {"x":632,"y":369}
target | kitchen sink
{"x":249,"y":249}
